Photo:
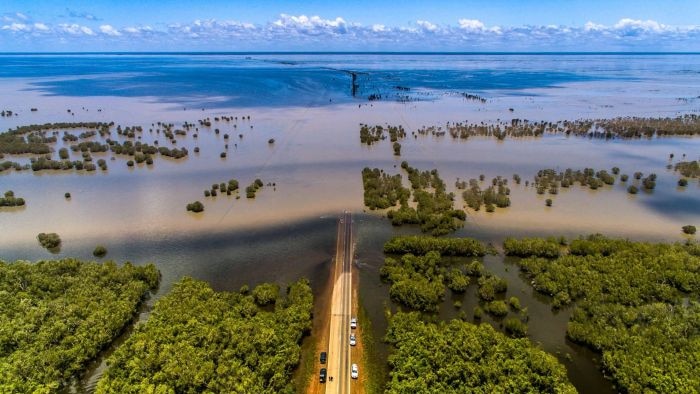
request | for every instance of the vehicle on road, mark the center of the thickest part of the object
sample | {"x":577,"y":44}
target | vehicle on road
{"x":353,"y":322}
{"x":324,"y":357}
{"x":322,"y":375}
{"x":353,"y":340}
{"x":354,"y":372}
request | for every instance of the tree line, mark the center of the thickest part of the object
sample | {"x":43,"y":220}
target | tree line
{"x":636,"y":303}
{"x":57,"y":315}
{"x":199,"y":340}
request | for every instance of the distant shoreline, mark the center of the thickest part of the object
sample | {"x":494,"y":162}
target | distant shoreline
{"x":226,"y":53}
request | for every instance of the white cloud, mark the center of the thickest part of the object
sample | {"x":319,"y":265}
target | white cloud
{"x":302,"y":32}
{"x":16,"y":27}
{"x":110,"y":31}
{"x":138,"y":30}
{"x":75,"y":29}
{"x":305,"y":25}
{"x":427,"y":26}
{"x":636,"y":24}
{"x":471,"y":24}
{"x":590,"y":26}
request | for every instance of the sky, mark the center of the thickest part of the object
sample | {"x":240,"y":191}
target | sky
{"x":360,"y":25}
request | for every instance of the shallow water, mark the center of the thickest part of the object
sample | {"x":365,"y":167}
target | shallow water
{"x":305,"y":103}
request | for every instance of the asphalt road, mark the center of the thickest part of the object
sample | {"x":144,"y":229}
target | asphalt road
{"x":341,"y":307}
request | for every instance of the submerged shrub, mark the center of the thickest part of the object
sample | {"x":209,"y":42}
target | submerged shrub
{"x":49,"y":240}
{"x":100,"y":251}
{"x":195,"y":206}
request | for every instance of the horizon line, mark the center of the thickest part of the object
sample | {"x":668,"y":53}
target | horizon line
{"x":353,"y":53}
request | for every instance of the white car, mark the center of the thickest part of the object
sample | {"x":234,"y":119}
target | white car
{"x":353,"y":341}
{"x":354,"y":373}
{"x":353,"y":322}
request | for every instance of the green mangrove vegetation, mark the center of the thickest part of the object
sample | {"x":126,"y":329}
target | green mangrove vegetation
{"x":49,"y":240}
{"x":434,"y":211}
{"x":416,"y":281}
{"x":495,"y":195}
{"x":10,"y":200}
{"x":228,"y":188}
{"x":57,"y":315}
{"x":460,"y":357}
{"x":549,"y":180}
{"x":372,"y":134}
{"x":539,"y":247}
{"x":199,"y":340}
{"x":382,"y":190}
{"x":99,"y":251}
{"x":420,"y":245}
{"x":253,"y":188}
{"x":636,"y":303}
{"x":195,"y":207}
{"x":620,"y":127}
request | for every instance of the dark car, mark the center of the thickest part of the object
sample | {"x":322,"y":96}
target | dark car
{"x":324,"y":356}
{"x":322,"y":375}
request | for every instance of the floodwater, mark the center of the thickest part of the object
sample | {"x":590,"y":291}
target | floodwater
{"x":305,"y":103}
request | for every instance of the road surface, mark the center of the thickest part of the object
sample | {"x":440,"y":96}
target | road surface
{"x":341,"y":308}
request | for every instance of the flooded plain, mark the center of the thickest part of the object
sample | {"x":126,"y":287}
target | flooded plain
{"x":315,"y":163}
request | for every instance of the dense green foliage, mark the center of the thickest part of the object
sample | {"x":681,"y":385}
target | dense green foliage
{"x":416,"y":281}
{"x":253,"y":188}
{"x":460,"y":357}
{"x":196,"y":207}
{"x":49,"y":241}
{"x":495,"y":195}
{"x":266,"y":293}
{"x":56,"y":316}
{"x":397,"y":149}
{"x":490,"y":285}
{"x":100,"y":251}
{"x":526,"y":247}
{"x":434,"y":210}
{"x":497,"y":308}
{"x":370,"y":135}
{"x":9,"y":200}
{"x":550,"y":180}
{"x":382,"y":190}
{"x":515,"y":327}
{"x":610,"y":128}
{"x":199,"y":340}
{"x":689,"y":229}
{"x":419,"y":245}
{"x":636,"y":303}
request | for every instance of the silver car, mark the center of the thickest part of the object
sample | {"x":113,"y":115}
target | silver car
{"x":353,"y":341}
{"x":354,"y":373}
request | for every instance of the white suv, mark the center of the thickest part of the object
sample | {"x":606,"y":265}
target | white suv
{"x":354,"y":373}
{"x":353,"y":341}
{"x":353,"y":322}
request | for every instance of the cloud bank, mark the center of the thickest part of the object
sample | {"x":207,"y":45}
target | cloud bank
{"x":314,"y":33}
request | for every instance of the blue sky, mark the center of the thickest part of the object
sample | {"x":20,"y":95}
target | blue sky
{"x":378,"y":25}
